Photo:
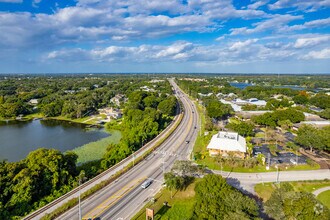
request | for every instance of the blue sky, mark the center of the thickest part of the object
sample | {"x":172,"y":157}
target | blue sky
{"x":221,"y":36}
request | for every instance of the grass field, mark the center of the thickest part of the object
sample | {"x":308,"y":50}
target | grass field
{"x":325,"y":198}
{"x":265,"y":190}
{"x":179,"y":207}
{"x":95,"y":150}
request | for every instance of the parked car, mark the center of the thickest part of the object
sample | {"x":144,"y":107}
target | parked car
{"x":293,"y":161}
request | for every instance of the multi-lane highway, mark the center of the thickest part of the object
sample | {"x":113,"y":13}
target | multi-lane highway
{"x":125,"y":196}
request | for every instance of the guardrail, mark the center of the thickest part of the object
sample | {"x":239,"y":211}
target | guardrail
{"x":142,"y":150}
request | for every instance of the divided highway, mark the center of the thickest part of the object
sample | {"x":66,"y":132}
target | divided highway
{"x":125,"y":196}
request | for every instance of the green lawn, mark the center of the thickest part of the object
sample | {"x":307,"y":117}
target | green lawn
{"x":95,"y":150}
{"x":79,"y":120}
{"x":325,"y":198}
{"x":211,"y":163}
{"x":265,"y":190}
{"x":310,"y":186}
{"x":179,"y":207}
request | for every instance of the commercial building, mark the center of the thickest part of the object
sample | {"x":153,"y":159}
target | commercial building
{"x":227,"y":143}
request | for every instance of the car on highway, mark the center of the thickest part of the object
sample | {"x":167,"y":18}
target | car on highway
{"x":187,"y":142}
{"x":146,"y":183}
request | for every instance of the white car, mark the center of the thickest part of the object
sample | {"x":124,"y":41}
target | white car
{"x":293,"y":161}
{"x":146,"y":183}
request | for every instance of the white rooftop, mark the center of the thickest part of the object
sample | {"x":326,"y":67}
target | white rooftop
{"x":228,"y":141}
{"x":236,"y":107}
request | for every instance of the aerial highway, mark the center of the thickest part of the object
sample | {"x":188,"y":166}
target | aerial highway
{"x":124,"y":197}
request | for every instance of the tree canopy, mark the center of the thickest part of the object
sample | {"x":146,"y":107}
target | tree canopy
{"x":285,"y":203}
{"x":215,"y":199}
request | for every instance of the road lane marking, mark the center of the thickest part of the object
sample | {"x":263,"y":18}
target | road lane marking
{"x":108,"y":203}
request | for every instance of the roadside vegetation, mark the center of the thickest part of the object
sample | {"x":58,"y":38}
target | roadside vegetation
{"x":286,"y":203}
{"x":203,"y":199}
{"x":265,"y":190}
{"x":95,"y":150}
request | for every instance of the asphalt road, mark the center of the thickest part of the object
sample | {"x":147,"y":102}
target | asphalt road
{"x":124,"y":197}
{"x":247,"y":181}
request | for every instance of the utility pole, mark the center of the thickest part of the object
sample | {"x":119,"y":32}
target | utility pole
{"x":133,"y":158}
{"x":79,"y":198}
{"x":277,"y":174}
{"x":164,"y":164}
{"x":296,"y":157}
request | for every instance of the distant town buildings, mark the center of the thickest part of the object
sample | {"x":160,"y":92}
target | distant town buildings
{"x":252,"y":101}
{"x":227,"y":143}
{"x":237,"y":103}
{"x":146,"y":89}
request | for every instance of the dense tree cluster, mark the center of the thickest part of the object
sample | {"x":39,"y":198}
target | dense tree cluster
{"x":33,"y":182}
{"x":275,"y":118}
{"x":273,"y":104}
{"x":215,"y":199}
{"x":314,"y":138}
{"x":145,"y":116}
{"x":242,"y":128}
{"x":285,"y":203}
{"x":72,"y":96}
{"x":321,"y":100}
{"x":216,"y":109}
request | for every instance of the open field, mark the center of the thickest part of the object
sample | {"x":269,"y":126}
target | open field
{"x":95,"y":150}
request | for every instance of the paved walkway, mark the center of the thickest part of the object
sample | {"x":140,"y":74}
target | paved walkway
{"x":321,"y":190}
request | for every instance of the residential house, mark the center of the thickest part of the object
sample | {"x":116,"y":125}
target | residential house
{"x":111,"y":112}
{"x":117,"y":99}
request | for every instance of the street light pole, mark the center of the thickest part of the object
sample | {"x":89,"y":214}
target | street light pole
{"x":133,"y":158}
{"x":79,"y":198}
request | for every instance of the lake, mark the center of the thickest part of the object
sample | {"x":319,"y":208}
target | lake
{"x":18,"y":138}
{"x":240,"y":85}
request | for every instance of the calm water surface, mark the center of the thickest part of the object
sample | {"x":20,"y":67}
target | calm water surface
{"x":240,"y":85}
{"x":18,"y":138}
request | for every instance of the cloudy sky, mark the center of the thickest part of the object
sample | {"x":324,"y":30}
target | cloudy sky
{"x":222,"y":36}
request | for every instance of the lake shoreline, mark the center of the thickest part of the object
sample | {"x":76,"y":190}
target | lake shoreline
{"x":63,"y":135}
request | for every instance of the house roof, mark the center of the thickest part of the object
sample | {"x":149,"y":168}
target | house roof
{"x":228,"y":141}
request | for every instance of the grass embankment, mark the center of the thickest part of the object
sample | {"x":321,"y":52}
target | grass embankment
{"x":96,"y":150}
{"x":91,"y":120}
{"x":325,"y":198}
{"x":265,"y":190}
{"x":179,"y":207}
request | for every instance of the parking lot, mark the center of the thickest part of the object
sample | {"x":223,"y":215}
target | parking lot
{"x":285,"y":158}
